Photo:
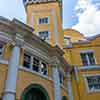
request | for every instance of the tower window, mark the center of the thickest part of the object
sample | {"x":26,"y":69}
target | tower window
{"x":44,"y":20}
{"x":88,"y":58}
{"x":93,"y":83}
{"x":44,"y":35}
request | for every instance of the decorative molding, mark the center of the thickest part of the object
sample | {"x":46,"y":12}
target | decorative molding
{"x":86,"y":51}
{"x":3,"y":62}
{"x":95,"y":67}
{"x":36,"y":52}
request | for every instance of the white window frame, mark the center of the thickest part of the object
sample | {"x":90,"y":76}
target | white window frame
{"x":41,"y":61}
{"x":49,"y":35}
{"x":87,"y":58}
{"x":31,"y":64}
{"x":86,"y":83}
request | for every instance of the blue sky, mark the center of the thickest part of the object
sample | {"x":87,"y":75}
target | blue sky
{"x":81,"y":15}
{"x":69,"y":18}
{"x":15,"y":8}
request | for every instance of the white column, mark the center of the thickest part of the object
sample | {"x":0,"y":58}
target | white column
{"x":69,"y":86}
{"x":10,"y":87}
{"x":56,"y":79}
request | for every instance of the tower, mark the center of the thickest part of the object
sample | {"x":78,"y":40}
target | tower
{"x":46,"y":18}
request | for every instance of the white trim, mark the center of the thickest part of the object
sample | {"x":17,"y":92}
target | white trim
{"x":4,"y":37}
{"x":37,"y":52}
{"x":86,"y":83}
{"x":86,"y":51}
{"x":94,"y":67}
{"x":3,"y":61}
{"x":65,"y":36}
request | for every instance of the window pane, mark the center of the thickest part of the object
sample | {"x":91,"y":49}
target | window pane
{"x":43,"y":20}
{"x":1,"y":48}
{"x":43,"y":68}
{"x":91,"y":58}
{"x":44,"y":35}
{"x":27,"y":60}
{"x":36,"y":64}
{"x":66,"y":41}
{"x":93,"y":82}
{"x":84,"y":59}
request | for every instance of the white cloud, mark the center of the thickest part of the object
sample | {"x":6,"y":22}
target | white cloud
{"x":89,"y":18}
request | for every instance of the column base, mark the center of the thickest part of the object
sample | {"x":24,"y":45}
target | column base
{"x":9,"y":95}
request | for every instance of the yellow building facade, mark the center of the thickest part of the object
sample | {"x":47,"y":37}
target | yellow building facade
{"x":30,"y":68}
{"x":83,"y":54}
{"x":41,"y":61}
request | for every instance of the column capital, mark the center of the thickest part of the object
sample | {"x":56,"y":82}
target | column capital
{"x":18,"y":40}
{"x":54,"y":61}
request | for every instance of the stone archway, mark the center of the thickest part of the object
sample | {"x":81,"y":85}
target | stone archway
{"x":35,"y":92}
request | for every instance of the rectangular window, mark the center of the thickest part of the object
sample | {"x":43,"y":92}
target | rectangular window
{"x":93,"y":83}
{"x":44,"y":20}
{"x":27,"y":60}
{"x":35,"y":64}
{"x":88,"y":58}
{"x":44,"y":35}
{"x":66,"y":41}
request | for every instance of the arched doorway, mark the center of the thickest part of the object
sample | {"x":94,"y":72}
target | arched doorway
{"x":35,"y":92}
{"x":64,"y":98}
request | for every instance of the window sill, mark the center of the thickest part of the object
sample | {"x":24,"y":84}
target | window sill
{"x":36,"y":73}
{"x":93,"y":91}
{"x":90,"y":67}
{"x":2,"y":61}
